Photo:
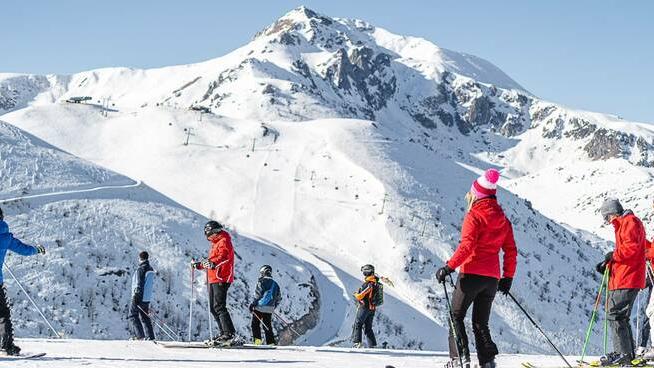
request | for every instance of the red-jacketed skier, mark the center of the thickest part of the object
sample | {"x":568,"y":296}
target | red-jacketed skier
{"x":8,"y":242}
{"x":486,"y":231}
{"x":220,"y":269}
{"x":626,"y":278}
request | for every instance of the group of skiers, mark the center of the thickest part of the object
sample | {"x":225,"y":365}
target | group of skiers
{"x":485,"y":232}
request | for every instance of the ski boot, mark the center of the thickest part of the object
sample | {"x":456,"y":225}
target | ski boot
{"x":12,"y":350}
{"x":490,"y":364}
{"x":258,"y":342}
{"x":455,"y":363}
{"x":614,"y":359}
{"x":358,"y":345}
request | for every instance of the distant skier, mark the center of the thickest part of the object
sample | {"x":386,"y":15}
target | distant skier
{"x":220,"y":269}
{"x":626,"y":277}
{"x":369,"y":296}
{"x":8,"y":242}
{"x":485,"y":231}
{"x":266,"y":298}
{"x":142,"y":288}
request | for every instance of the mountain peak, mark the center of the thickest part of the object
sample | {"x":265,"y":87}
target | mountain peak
{"x":296,"y":19}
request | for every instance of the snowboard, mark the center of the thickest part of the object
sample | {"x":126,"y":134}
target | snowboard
{"x":21,"y":357}
{"x":201,"y":345}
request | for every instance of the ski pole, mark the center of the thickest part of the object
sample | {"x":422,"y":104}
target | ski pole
{"x":209,"y":307}
{"x":606,"y":310}
{"x":286,"y":324}
{"x":539,"y":329}
{"x":260,"y":320}
{"x":190,"y":307}
{"x":154,"y":315}
{"x":592,"y":317}
{"x":32,"y":301}
{"x":155,"y":320}
{"x":455,"y":335}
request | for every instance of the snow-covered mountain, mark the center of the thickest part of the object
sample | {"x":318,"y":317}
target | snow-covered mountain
{"x":346,"y":144}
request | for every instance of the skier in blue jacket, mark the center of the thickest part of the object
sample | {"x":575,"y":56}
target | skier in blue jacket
{"x":266,"y":298}
{"x":142,"y":288}
{"x":8,"y":242}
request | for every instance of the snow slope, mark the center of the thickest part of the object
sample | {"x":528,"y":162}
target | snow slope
{"x":94,"y":223}
{"x":122,"y":354}
{"x":346,"y":144}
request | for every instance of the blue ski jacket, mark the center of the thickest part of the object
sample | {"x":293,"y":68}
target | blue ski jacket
{"x":266,"y":295}
{"x":143,"y":283}
{"x":8,"y":242}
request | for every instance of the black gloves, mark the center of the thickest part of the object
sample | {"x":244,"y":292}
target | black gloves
{"x":195,"y":264}
{"x":442,"y":273}
{"x":608,"y":257}
{"x":251,"y":307}
{"x":505,"y":285}
{"x":207,"y":264}
{"x":601,"y":267}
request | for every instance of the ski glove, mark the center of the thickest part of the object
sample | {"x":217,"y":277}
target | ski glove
{"x":505,"y":285}
{"x":195,"y":264}
{"x":207,"y":264}
{"x":40,"y":249}
{"x":608,"y":257}
{"x":251,"y":307}
{"x":442,"y":273}
{"x":601,"y":267}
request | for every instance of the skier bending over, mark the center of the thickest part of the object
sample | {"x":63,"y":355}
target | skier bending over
{"x":142,"y":287}
{"x":626,"y":277}
{"x":8,"y":242}
{"x":266,"y":298}
{"x":220,"y":270}
{"x":369,"y":296}
{"x":485,"y":231}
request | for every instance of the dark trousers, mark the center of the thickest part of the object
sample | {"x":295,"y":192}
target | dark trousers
{"x":257,"y":318}
{"x":363,"y":324}
{"x":218,"y":304}
{"x":621,"y":302}
{"x":139,"y":315}
{"x":478,"y":291}
{"x":6,"y":328}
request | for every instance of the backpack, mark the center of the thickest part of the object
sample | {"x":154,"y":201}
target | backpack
{"x":268,"y":298}
{"x":378,"y":295}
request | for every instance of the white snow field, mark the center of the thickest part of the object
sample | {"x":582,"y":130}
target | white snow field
{"x":330,"y":143}
{"x":124,"y":354}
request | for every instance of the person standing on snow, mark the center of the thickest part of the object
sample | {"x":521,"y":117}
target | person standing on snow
{"x":142,"y":288}
{"x":626,"y":264}
{"x":220,"y":270}
{"x":8,"y":242}
{"x":368,"y":293}
{"x":485,"y":231}
{"x":266,"y":298}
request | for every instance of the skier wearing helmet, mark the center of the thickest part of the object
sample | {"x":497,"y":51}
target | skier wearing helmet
{"x":369,"y":297}
{"x":266,"y":298}
{"x":220,"y":275}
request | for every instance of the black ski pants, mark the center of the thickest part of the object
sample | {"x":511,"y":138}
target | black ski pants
{"x":257,"y":318}
{"x":139,"y":313}
{"x":478,"y":291}
{"x":363,"y":324}
{"x":218,"y":306}
{"x":6,"y":328}
{"x":621,"y":302}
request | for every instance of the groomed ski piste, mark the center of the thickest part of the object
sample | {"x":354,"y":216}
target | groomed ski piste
{"x":145,"y":354}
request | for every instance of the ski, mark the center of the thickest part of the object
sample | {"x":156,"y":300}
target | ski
{"x":22,"y":356}
{"x":595,"y":364}
{"x":201,"y":345}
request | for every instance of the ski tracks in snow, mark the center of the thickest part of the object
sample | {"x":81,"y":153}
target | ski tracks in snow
{"x":137,"y":183}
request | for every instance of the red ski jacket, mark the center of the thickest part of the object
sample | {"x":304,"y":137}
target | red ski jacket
{"x":485,"y":231}
{"x":628,"y":263}
{"x":221,"y":255}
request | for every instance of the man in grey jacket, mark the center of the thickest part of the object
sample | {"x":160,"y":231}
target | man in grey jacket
{"x":266,"y":298}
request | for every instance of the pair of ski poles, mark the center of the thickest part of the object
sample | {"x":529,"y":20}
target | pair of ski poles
{"x":457,"y":338}
{"x":160,"y":323}
{"x":603,"y":287}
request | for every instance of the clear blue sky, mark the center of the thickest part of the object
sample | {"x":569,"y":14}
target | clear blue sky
{"x":591,"y":54}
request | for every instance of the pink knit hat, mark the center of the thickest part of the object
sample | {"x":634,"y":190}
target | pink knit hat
{"x":486,"y":185}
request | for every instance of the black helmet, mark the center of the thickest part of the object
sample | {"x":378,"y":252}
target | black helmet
{"x":212,"y":227}
{"x":265,"y":270}
{"x":368,"y":270}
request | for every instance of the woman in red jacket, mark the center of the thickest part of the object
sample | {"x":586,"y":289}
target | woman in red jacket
{"x":486,"y":231}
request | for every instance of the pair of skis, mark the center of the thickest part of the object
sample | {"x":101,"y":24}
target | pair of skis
{"x":21,"y":356}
